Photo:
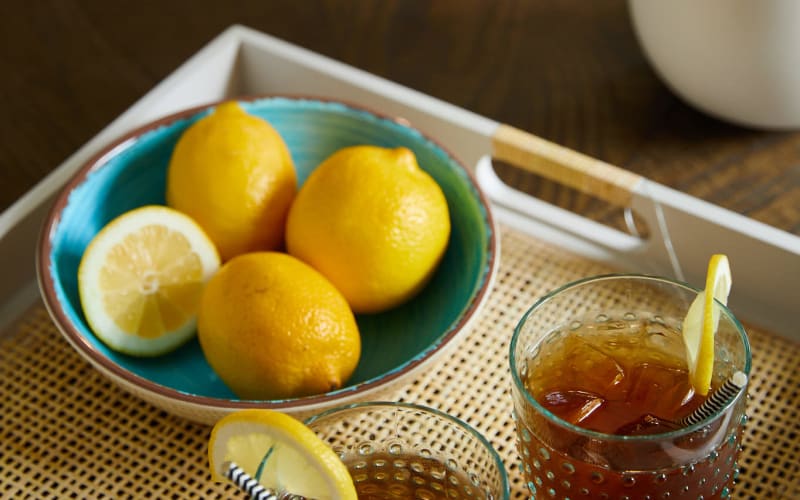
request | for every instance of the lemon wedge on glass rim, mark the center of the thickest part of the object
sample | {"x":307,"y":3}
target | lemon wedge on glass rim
{"x":701,"y":321}
{"x":141,"y":277}
{"x":279,"y":452}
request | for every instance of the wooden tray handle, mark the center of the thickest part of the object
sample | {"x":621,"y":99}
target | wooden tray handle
{"x":564,"y":165}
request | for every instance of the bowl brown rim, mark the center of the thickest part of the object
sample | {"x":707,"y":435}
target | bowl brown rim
{"x":80,"y":343}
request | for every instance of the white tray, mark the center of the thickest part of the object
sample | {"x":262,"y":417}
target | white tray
{"x":241,"y":61}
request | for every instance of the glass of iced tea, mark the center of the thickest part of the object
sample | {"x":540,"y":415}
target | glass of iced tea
{"x":404,"y":451}
{"x":600,"y":386}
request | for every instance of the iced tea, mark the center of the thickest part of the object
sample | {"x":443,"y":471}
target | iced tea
{"x":615,"y":377}
{"x":599,"y":393}
{"x":408,"y":477}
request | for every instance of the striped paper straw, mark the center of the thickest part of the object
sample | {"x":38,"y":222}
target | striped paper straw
{"x":718,"y":400}
{"x":256,"y":491}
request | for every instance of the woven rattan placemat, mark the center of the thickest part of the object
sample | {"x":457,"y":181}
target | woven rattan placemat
{"x":66,"y":432}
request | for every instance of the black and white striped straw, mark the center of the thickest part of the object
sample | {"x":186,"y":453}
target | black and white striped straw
{"x":256,"y":491}
{"x":718,"y":399}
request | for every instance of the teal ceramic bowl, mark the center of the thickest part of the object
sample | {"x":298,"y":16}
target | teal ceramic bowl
{"x":396,"y":345}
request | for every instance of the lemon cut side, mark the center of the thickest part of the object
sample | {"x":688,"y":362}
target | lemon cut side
{"x":141,"y":278}
{"x":281,"y":453}
{"x":701,"y":322}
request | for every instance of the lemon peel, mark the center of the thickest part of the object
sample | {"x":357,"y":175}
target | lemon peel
{"x":298,"y":461}
{"x":701,"y":322}
{"x":272,"y":327}
{"x":372,"y":221}
{"x":232,"y":172}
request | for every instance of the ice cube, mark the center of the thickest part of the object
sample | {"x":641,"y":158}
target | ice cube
{"x":661,"y":390}
{"x":589,"y":450}
{"x":574,"y":406}
{"x":647,"y":424}
{"x":594,"y":368}
{"x":644,"y":454}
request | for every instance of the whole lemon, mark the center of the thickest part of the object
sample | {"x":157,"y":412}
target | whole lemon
{"x":233,"y":174}
{"x":373,"y":222}
{"x":272,"y":327}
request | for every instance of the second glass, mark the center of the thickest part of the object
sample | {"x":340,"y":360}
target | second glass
{"x":398,"y":451}
{"x":600,"y":385}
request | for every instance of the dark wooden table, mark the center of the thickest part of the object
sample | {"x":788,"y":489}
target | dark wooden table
{"x":570,"y":71}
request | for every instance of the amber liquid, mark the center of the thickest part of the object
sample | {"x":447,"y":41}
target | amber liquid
{"x":399,"y":477}
{"x":621,"y":378}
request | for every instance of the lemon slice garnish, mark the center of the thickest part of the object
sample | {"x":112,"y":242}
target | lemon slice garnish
{"x":281,"y":453}
{"x":701,"y":321}
{"x":141,"y":278}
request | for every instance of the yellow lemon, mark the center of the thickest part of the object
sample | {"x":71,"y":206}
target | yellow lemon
{"x":232,"y":173}
{"x":280,"y":453}
{"x":272,"y":327}
{"x":373,"y":222}
{"x":141,"y":278}
{"x":701,"y":321}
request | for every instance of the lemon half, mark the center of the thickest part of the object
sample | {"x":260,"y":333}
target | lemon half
{"x":281,"y":453}
{"x":141,"y":278}
{"x":701,"y":321}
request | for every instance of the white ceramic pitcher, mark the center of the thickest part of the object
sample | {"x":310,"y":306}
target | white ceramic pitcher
{"x":738,"y":60}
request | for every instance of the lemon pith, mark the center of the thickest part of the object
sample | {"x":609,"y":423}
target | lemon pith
{"x":299,"y":462}
{"x":141,"y":277}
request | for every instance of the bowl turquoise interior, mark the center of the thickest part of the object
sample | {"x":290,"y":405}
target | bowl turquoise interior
{"x":133,"y":173}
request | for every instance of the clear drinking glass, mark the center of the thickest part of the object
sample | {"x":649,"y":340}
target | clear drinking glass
{"x":406,"y":451}
{"x":622,"y":334}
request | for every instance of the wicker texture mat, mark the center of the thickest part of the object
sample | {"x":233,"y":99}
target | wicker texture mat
{"x":66,"y":432}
